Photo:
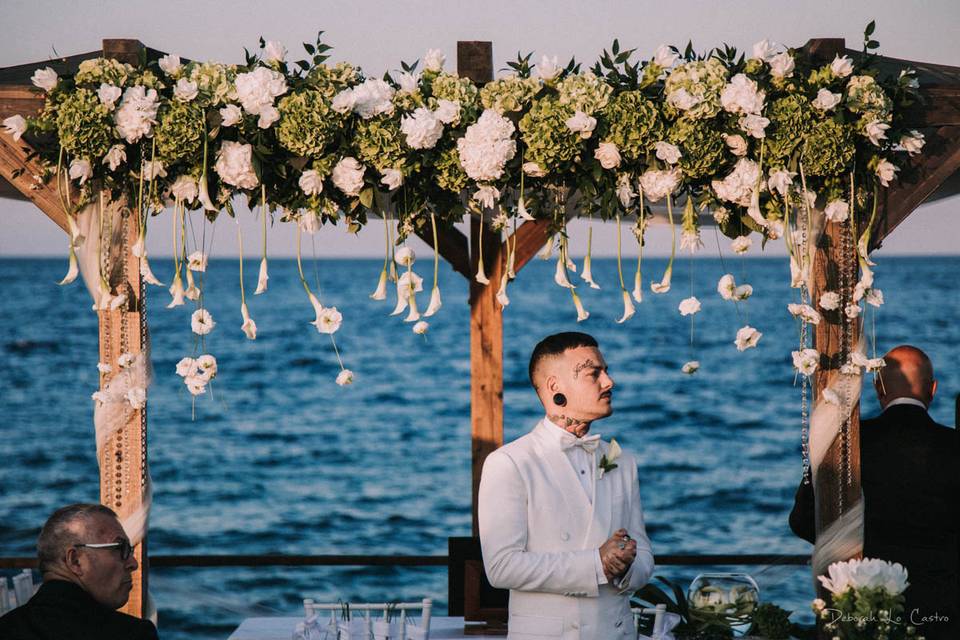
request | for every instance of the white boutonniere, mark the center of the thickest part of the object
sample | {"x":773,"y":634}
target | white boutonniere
{"x":607,"y":459}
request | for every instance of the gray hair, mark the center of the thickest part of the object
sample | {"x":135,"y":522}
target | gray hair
{"x":59,"y":532}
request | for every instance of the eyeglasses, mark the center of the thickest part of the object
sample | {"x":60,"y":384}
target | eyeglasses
{"x":123,"y":546}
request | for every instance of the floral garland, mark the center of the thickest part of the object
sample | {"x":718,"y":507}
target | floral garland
{"x":760,"y":140}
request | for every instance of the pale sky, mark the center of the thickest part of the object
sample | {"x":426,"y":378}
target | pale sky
{"x":378,"y":35}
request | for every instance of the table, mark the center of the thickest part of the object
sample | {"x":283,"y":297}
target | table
{"x":441,"y":628}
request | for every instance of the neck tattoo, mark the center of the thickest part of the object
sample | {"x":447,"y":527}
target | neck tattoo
{"x":578,"y":428}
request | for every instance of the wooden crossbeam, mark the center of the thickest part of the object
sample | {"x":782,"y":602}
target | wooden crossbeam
{"x":453,"y":248}
{"x":24,"y":175}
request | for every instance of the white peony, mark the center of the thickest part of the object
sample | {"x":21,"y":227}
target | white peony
{"x":15,"y":126}
{"x":741,"y":96}
{"x":837,"y":211}
{"x":311,"y":182}
{"x":669,"y":153}
{"x":274,"y":51}
{"x":448,"y":111}
{"x":665,"y":57}
{"x":137,"y":113}
{"x":886,"y":171}
{"x":549,"y":68}
{"x":841,"y":67}
{"x":185,"y":90}
{"x":877,"y":131}
{"x":747,"y":337}
{"x":689,"y":306}
{"x":433,"y":60}
{"x":170,"y":64}
{"x":81,"y":170}
{"x":656,"y":185}
{"x":806,"y":361}
{"x":608,"y":155}
{"x":231,"y":114}
{"x":487,"y":146}
{"x":348,"y":176}
{"x":116,"y":156}
{"x":109,"y":94}
{"x":782,"y":65}
{"x":235,"y":165}
{"x":257,"y":89}
{"x":582,"y":123}
{"x":201,"y":322}
{"x":741,"y":244}
{"x":45,"y":79}
{"x":826,"y":100}
{"x":422,"y":128}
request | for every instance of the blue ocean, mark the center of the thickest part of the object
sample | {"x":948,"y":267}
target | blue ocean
{"x":276,"y":458}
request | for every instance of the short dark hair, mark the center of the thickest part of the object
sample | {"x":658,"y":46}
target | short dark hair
{"x":58,"y":533}
{"x":555,"y":345}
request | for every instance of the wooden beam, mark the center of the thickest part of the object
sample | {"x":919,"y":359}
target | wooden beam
{"x":475,"y":60}
{"x":123,"y":49}
{"x":453,"y":248}
{"x":24,"y":176}
{"x":940,"y":160}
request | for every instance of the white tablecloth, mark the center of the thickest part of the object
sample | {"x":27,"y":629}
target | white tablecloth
{"x":441,"y":628}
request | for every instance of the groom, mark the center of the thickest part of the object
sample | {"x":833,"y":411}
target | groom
{"x":559,"y":510}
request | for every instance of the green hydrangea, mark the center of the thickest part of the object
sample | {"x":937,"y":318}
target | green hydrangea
{"x":406,"y":102}
{"x":828,"y":149}
{"x":864,"y":96}
{"x":307,"y":123}
{"x":701,"y":145}
{"x":509,"y":94}
{"x":790,"y":119}
{"x":550,"y":142}
{"x":148,"y":79}
{"x":702,"y":79}
{"x":84,"y":125}
{"x":214,"y":82}
{"x":446,"y":86}
{"x":633,"y":124}
{"x":96,"y":71}
{"x":379,"y":143}
{"x":179,"y":132}
{"x":449,"y":173}
{"x":330,"y":81}
{"x":584,"y":92}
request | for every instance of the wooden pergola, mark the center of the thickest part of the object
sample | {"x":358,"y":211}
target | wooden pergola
{"x":123,"y":472}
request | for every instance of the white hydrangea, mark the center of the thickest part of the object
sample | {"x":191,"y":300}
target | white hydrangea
{"x":656,"y":185}
{"x":487,"y":146}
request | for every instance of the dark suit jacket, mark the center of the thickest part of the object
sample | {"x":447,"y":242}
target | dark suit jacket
{"x":910,"y":474}
{"x":62,"y":610}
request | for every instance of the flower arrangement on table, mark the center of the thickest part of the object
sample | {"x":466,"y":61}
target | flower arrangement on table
{"x":759,"y":140}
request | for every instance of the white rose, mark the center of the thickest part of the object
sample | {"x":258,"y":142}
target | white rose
{"x":581,"y":123}
{"x":754,"y":125}
{"x":116,"y":156}
{"x":665,"y":57}
{"x":15,"y":126}
{"x":837,"y":211}
{"x":109,"y":94}
{"x":433,"y":60}
{"x":45,"y":78}
{"x":841,"y":67}
{"x":549,"y":68}
{"x":81,"y":170}
{"x":886,"y":171}
{"x":448,"y":111}
{"x":667,"y":152}
{"x":348,"y":176}
{"x":782,"y":65}
{"x":741,"y":95}
{"x":912,"y":143}
{"x":608,"y":155}
{"x":170,"y":64}
{"x":392,"y":179}
{"x":343,"y":101}
{"x":274,"y":51}
{"x":409,"y":82}
{"x":231,"y":114}
{"x":827,"y":100}
{"x":422,"y":128}
{"x":185,"y":90}
{"x":737,"y":144}
{"x":185,"y":189}
{"x":201,"y":322}
{"x":877,"y":131}
{"x":235,"y":165}
{"x":763,"y":50}
{"x":311,"y":182}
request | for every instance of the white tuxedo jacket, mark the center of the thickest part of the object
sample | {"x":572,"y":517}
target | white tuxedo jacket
{"x":540,"y":533}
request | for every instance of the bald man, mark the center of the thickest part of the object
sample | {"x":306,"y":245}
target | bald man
{"x":911,"y":488}
{"x":560,"y":520}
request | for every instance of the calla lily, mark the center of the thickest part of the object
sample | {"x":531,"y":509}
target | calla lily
{"x":547,"y":250}
{"x":402,"y":300}
{"x":192,"y":292}
{"x":249,"y":326}
{"x":502,"y":292}
{"x":381,"y":292}
{"x":664,"y":285}
{"x":204,"y":194}
{"x":73,"y":270}
{"x":262,"y":278}
{"x":614,"y":450}
{"x":587,"y":274}
{"x":413,"y":315}
{"x":317,"y":308}
{"x":638,"y":286}
{"x":147,"y":273}
{"x":435,"y":303}
{"x":798,"y":275}
{"x":522,"y":211}
{"x":560,"y":277}
{"x":176,"y":290}
{"x":138,"y":249}
{"x":754,"y":209}
{"x":481,"y":276}
{"x":628,"y":308}
{"x":582,"y":314}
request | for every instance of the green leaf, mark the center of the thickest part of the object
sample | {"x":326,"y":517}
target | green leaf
{"x":873,"y":44}
{"x":616,"y":46}
{"x":309,"y":48}
{"x":303,"y":64}
{"x":870,"y":27}
{"x":366,"y":197}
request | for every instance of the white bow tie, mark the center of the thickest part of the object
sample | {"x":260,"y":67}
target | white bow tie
{"x":587,"y":443}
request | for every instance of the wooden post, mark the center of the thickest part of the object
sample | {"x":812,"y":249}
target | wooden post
{"x":123,"y":463}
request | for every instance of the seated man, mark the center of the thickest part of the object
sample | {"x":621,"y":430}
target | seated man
{"x":86,"y":562}
{"x":911,"y":490}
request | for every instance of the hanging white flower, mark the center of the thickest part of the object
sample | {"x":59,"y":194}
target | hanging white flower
{"x":348,"y":176}
{"x":197,"y":261}
{"x":487,"y":146}
{"x":726,"y":287}
{"x":184,"y":189}
{"x":806,"y":361}
{"x":195,"y":385}
{"x":262,"y":277}
{"x":741,"y":244}
{"x":45,"y":79}
{"x":874,"y":297}
{"x":235,"y":165}
{"x":405,"y":257}
{"x":560,"y":274}
{"x":781,"y":180}
{"x":177,"y":292}
{"x":420,"y":328}
{"x":435,"y":303}
{"x":249,"y":327}
{"x":380,"y":293}
{"x":742,"y":292}
{"x":582,"y":123}
{"x":637,"y":292}
{"x":625,"y":192}
{"x":433,"y":60}
{"x":487,"y":196}
{"x":689,"y":306}
{"x":170,"y":64}
{"x":582,"y":314}
{"x":207,"y":367}
{"x":804,"y":312}
{"x":187,"y":367}
{"x":345,"y":377}
{"x":311,"y":182}
{"x":201,"y":322}
{"x":153,"y":169}
{"x":690,"y":367}
{"x":747,"y":337}
{"x":852,"y":311}
{"x":628,"y":308}
{"x":422,"y":128}
{"x":329,"y":320}
{"x":231,"y":115}
{"x":826,"y":100}
{"x":837,"y":211}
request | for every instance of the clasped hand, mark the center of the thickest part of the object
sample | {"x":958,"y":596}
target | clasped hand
{"x":617,"y":554}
